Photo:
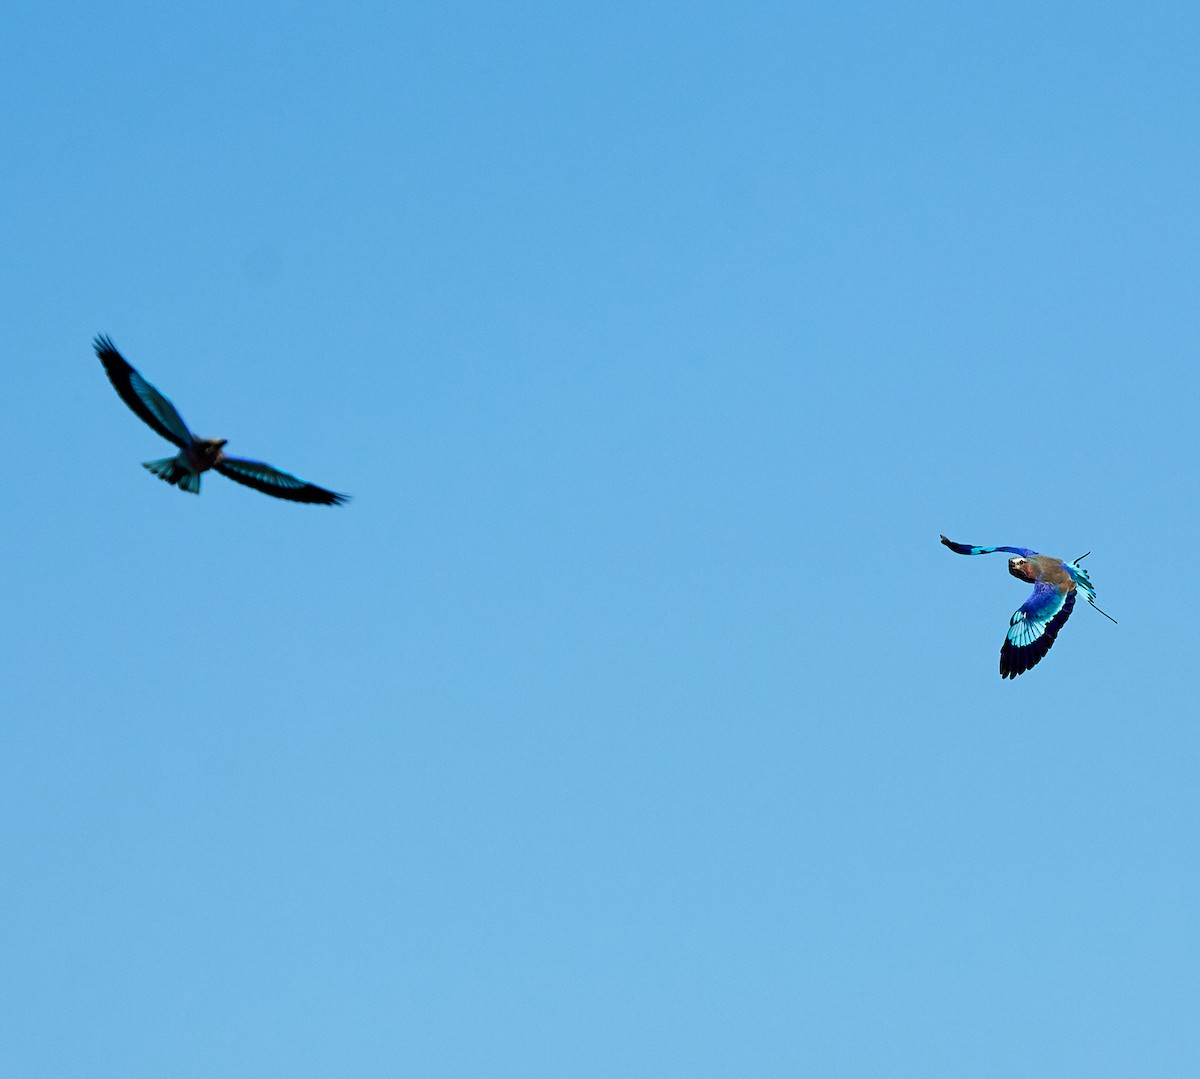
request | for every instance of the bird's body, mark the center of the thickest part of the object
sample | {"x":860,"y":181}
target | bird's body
{"x":197,"y":455}
{"x":1035,"y":624}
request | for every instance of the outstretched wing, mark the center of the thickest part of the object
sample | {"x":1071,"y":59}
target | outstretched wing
{"x":271,"y":481}
{"x":139,"y":395}
{"x":1033,"y":628}
{"x":962,"y":548}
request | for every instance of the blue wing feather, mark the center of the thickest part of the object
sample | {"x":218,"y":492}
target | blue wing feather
{"x":142,"y":398}
{"x":963,"y":548}
{"x":271,"y":481}
{"x":1033,"y":627}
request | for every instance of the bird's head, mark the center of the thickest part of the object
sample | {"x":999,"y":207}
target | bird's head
{"x":207,"y":451}
{"x":1022,"y":568}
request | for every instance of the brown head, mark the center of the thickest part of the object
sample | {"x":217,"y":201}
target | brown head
{"x":1022,"y":568}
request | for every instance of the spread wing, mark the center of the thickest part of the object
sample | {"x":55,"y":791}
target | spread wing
{"x":966,"y":548}
{"x":1033,"y":628}
{"x":139,"y":395}
{"x":271,"y":481}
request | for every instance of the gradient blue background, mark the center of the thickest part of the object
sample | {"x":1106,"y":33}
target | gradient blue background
{"x":630,"y":720}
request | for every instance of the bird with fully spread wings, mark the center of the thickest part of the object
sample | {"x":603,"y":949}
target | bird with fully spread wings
{"x":1035,"y":624}
{"x":197,"y":455}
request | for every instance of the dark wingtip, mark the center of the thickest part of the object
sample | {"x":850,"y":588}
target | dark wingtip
{"x":102,"y":344}
{"x":319,"y":496}
{"x":957,"y":548}
{"x":1014,"y":661}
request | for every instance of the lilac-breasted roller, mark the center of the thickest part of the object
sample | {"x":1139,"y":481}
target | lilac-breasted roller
{"x":1036,"y":623}
{"x":198,"y":455}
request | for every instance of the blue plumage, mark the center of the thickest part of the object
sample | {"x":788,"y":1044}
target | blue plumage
{"x":962,"y":548}
{"x":197,"y":455}
{"x":1035,"y":625}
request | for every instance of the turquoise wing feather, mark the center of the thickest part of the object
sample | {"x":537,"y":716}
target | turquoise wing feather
{"x":1033,"y":628}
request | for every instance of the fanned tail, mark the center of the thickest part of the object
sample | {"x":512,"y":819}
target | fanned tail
{"x":1084,"y":583}
{"x":170,"y":470}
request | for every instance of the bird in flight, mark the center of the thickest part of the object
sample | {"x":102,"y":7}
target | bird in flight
{"x":198,"y":455}
{"x":1036,"y":623}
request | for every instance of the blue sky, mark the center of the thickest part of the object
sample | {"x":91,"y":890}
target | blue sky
{"x":630,"y":720}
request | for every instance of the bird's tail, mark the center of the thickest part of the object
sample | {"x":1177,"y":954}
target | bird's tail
{"x":1084,"y":583}
{"x":169,"y":469}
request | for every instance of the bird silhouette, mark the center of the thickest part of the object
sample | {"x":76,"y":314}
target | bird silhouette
{"x":197,"y":455}
{"x":1036,"y":623}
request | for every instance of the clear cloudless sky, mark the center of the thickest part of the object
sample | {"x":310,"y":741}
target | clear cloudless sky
{"x":630,"y":720}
